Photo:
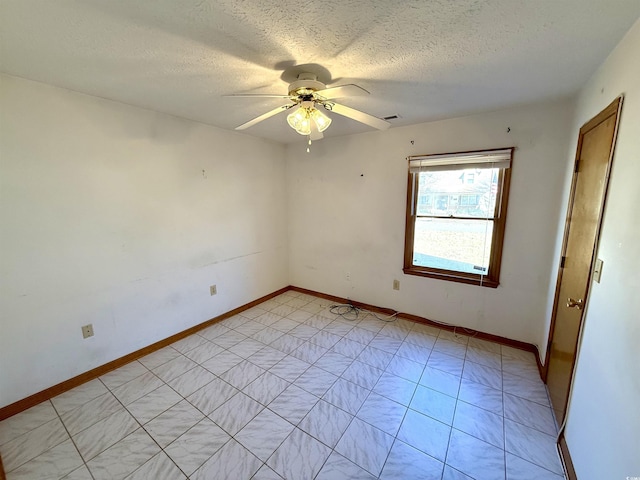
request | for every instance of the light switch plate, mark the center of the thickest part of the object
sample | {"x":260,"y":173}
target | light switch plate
{"x":597,"y":270}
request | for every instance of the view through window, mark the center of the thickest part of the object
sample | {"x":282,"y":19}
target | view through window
{"x":456,"y":209}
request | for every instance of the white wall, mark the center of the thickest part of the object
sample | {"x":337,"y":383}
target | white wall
{"x":604,"y":418}
{"x":122,"y":217}
{"x":347,"y":214}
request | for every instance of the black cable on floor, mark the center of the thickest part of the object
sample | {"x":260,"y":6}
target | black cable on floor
{"x":352,"y":313}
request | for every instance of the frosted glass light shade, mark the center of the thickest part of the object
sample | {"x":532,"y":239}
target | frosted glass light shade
{"x":300,"y":121}
{"x":321,"y":120}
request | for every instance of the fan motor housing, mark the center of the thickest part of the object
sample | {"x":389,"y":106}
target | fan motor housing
{"x":306,"y":84}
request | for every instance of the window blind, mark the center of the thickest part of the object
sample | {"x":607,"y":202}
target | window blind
{"x":460,"y":161}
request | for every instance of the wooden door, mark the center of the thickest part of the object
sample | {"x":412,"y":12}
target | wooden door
{"x":591,"y":174}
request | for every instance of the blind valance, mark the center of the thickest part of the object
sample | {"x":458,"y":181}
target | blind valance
{"x":459,"y":161}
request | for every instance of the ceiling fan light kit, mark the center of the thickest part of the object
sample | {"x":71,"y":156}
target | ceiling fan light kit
{"x":301,"y":119}
{"x":307,"y":93}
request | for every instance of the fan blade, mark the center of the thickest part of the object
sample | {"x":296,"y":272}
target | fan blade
{"x":258,"y":95}
{"x":358,"y":116}
{"x":264,"y":116}
{"x":349,"y":90}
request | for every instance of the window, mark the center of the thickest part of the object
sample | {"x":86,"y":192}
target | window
{"x":457,"y":235}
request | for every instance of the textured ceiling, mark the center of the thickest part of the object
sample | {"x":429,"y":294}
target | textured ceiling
{"x":422,"y":60}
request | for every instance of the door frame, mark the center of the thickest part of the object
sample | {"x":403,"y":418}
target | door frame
{"x":614,"y":108}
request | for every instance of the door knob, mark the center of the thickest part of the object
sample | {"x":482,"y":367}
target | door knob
{"x":571,"y":303}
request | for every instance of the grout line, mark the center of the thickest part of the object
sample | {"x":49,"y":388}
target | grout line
{"x":71,"y":438}
{"x":446,"y":453}
{"x":504,"y":433}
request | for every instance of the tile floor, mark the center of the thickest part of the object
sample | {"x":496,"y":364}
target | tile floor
{"x":289,"y":390}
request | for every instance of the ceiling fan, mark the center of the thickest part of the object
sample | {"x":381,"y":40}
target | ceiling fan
{"x":306,"y":95}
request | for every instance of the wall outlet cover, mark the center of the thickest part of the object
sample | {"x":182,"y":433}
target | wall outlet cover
{"x":213,"y":290}
{"x":396,"y":284}
{"x":87,"y":331}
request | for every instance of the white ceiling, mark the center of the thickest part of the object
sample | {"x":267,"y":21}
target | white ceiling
{"x":421,"y":59}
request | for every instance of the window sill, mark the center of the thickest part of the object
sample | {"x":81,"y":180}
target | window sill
{"x":452,"y":277}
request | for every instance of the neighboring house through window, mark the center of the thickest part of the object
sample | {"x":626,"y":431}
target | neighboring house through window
{"x":456,"y":212}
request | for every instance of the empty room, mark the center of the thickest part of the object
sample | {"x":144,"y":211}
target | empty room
{"x":325,"y":240}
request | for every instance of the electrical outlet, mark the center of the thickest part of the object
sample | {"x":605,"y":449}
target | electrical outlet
{"x":87,"y":331}
{"x":213,"y":290}
{"x":396,"y":284}
{"x":347,"y":276}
